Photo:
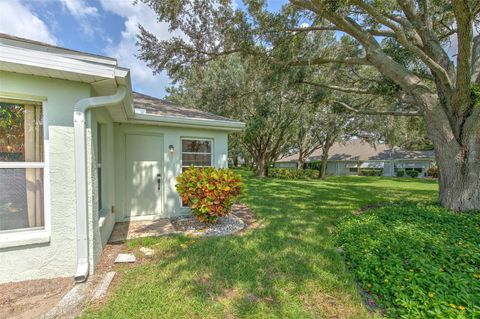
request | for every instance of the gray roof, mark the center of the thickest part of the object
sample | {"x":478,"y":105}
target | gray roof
{"x":154,"y":106}
{"x":358,"y":150}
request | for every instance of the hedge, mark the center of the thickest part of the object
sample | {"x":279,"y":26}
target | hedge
{"x":290,"y":173}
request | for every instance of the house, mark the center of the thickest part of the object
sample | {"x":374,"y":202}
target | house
{"x":79,"y":151}
{"x":351,"y":157}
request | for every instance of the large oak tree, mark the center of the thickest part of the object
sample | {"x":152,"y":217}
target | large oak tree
{"x":403,"y":43}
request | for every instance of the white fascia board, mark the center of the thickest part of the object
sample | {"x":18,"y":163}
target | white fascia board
{"x":41,"y":59}
{"x":59,"y":51}
{"x":122,"y":77}
{"x":189,"y":122}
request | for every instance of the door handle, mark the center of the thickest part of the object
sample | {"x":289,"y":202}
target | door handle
{"x":159,"y":181}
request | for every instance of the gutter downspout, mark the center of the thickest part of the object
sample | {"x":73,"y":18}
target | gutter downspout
{"x":80,"y":109}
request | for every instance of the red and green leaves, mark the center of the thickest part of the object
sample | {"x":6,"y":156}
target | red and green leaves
{"x":208,"y":191}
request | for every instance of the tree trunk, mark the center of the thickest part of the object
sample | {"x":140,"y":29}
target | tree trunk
{"x":458,"y":161}
{"x":323,"y":164}
{"x":300,"y":164}
{"x":459,"y":177}
{"x":261,"y":166}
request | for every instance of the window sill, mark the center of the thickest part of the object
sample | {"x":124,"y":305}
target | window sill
{"x":24,"y":238}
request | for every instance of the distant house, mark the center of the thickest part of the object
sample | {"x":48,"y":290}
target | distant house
{"x":79,"y":151}
{"x":349,"y":158}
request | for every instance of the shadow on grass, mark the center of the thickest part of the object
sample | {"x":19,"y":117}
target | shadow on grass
{"x":286,"y":269}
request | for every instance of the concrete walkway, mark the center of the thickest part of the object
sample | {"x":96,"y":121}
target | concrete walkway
{"x":145,"y":228}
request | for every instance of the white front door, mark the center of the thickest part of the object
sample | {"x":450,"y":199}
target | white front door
{"x":144,"y":180}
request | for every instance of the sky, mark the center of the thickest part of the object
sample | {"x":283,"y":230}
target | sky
{"x":104,"y":27}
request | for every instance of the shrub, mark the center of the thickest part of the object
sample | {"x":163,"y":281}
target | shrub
{"x":413,"y":173}
{"x":316,"y":165}
{"x":291,"y":173}
{"x":208,"y":191}
{"x":370,"y":172}
{"x":400,"y":173}
{"x":415,"y":260}
{"x":433,"y":172}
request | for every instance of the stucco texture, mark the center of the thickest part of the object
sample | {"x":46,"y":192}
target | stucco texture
{"x":56,"y":258}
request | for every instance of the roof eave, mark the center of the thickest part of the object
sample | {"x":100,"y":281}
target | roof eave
{"x":231,"y":126}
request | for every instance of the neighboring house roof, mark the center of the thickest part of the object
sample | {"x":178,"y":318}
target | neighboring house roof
{"x":145,"y":104}
{"x":358,"y":150}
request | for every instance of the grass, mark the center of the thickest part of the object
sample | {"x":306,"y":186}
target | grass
{"x":288,"y":268}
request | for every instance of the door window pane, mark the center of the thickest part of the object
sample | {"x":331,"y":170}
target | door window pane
{"x":21,"y":188}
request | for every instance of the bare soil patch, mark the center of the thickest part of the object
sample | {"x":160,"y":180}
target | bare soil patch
{"x":30,"y":299}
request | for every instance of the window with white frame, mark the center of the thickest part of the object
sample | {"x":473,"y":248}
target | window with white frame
{"x":21,"y":167}
{"x":196,"y":152}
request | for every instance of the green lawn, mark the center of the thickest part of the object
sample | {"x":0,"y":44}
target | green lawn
{"x":289,"y":268}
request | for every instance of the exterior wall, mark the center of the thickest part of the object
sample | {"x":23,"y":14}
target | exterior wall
{"x":102,"y":221}
{"x":423,"y":164}
{"x":55,"y":257}
{"x":389,"y":169}
{"x":338,"y":168}
{"x":286,"y":165}
{"x":171,"y":162}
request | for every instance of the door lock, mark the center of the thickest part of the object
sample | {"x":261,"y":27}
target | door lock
{"x":159,"y":180}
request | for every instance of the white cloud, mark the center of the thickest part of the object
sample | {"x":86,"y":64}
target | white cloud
{"x":125,"y":50}
{"x":19,"y":20}
{"x":79,"y":8}
{"x":84,"y":14}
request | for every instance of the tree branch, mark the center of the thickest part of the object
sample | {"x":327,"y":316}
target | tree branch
{"x":373,"y":112}
{"x":405,"y":42}
{"x":337,"y":88}
{"x":319,"y":61}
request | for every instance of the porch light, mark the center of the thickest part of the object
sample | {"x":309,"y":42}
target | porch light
{"x":171,"y":148}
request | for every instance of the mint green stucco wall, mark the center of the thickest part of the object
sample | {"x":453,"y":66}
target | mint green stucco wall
{"x":56,"y":258}
{"x":171,"y":162}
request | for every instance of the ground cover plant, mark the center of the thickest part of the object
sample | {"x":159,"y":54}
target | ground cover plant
{"x":416,"y":260}
{"x":288,"y":267}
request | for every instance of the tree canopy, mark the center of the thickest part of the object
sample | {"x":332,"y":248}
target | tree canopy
{"x":393,"y":55}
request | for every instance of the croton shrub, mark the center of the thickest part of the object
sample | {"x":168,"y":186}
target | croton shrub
{"x":209,"y":191}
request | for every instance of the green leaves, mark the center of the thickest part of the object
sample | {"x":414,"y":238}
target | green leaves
{"x":290,"y":173}
{"x":419,"y":261}
{"x":209,"y":191}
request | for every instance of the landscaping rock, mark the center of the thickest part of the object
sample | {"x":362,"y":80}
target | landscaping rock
{"x":147,"y":251}
{"x":223,"y":226}
{"x":125,"y":258}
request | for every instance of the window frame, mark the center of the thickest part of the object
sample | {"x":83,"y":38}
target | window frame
{"x":212,"y":151}
{"x":31,"y":235}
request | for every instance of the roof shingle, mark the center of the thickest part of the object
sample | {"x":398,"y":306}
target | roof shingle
{"x":358,"y":150}
{"x":155,"y":106}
